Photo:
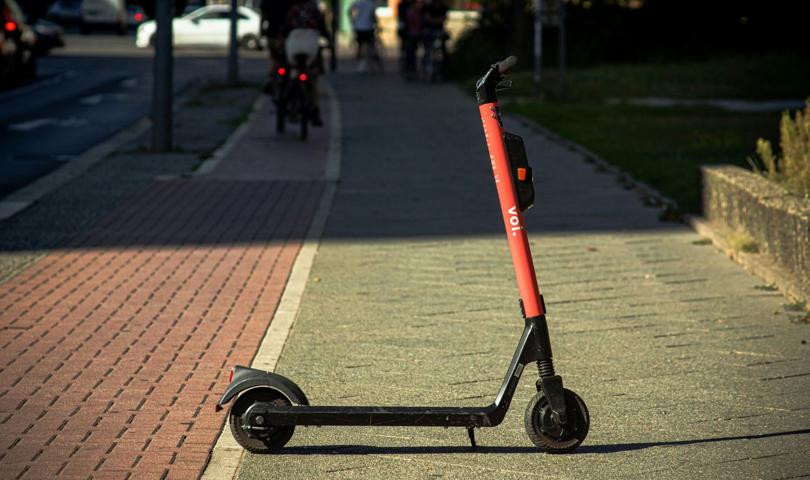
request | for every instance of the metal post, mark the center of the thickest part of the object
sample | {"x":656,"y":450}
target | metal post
{"x":162,"y":82}
{"x":233,"y":45}
{"x":538,"y":43}
{"x":335,"y":27}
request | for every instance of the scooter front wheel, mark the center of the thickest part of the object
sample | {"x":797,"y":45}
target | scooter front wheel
{"x":550,"y":436}
{"x":268,"y":441}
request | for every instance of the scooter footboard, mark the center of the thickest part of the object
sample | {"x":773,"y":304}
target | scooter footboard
{"x":379,"y":416}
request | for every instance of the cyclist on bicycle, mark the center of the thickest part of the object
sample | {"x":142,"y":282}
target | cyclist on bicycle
{"x":274,"y":14}
{"x":411,"y":17}
{"x":302,"y":28}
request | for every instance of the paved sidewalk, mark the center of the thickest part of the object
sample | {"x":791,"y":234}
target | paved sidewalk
{"x":690,"y":367}
{"x":116,"y":346}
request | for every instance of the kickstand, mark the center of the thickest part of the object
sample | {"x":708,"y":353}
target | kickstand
{"x":471,"y":434}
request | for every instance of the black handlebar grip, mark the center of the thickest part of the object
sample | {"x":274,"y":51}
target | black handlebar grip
{"x":507,"y":64}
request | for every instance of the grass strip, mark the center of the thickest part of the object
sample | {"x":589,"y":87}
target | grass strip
{"x":663,"y":147}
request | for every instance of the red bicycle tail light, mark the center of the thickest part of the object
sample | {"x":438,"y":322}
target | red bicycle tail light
{"x":282,"y":71}
{"x":303,"y":77}
{"x":10,"y":26}
{"x":230,"y":376}
{"x":138,"y":17}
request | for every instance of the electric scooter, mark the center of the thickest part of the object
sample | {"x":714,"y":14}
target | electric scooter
{"x":267,"y":407}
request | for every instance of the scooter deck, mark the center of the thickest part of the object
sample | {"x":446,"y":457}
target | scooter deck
{"x":381,"y":416}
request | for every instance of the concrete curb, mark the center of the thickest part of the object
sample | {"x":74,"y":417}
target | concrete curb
{"x":738,"y":200}
{"x":24,"y":197}
{"x":211,"y":163}
{"x":227,"y":455}
{"x":758,"y":264}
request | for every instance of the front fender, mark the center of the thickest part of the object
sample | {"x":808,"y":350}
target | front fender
{"x":245,"y":378}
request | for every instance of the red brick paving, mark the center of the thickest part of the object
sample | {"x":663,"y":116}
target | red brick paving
{"x":114,"y":350}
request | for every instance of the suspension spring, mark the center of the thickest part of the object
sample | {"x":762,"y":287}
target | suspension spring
{"x":545,"y":368}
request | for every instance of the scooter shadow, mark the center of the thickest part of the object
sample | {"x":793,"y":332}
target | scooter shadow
{"x":372,"y":450}
{"x":628,"y":447}
{"x":462,"y":449}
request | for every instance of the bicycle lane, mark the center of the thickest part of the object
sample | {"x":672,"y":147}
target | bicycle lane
{"x":117,"y":346}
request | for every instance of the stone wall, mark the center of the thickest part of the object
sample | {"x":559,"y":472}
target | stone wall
{"x":742,"y":201}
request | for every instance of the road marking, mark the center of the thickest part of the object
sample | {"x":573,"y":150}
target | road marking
{"x":41,"y":122}
{"x":45,"y":82}
{"x":24,"y":197}
{"x":31,"y":124}
{"x":72,"y":122}
{"x":92,"y":100}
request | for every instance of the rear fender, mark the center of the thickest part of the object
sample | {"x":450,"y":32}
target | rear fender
{"x":245,"y":379}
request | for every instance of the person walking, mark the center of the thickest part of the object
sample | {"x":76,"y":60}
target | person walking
{"x":434,"y":14}
{"x":402,"y":32}
{"x":301,"y":29}
{"x":364,"y":21}
{"x":413,"y":32}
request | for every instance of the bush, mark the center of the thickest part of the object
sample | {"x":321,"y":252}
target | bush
{"x":792,"y":169}
{"x":608,"y":31}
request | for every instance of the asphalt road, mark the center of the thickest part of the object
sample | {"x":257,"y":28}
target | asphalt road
{"x":85,"y":93}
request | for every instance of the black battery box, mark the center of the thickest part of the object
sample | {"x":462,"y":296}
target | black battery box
{"x":521,"y":171}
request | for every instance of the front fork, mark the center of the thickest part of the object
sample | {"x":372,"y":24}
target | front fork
{"x":548,"y":381}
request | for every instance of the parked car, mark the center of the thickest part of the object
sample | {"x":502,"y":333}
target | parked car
{"x":98,"y":14}
{"x":49,"y":36}
{"x":207,"y":26}
{"x":66,"y":12}
{"x":19,"y":61}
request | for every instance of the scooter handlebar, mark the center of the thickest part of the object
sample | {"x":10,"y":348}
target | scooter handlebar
{"x":507,"y":64}
{"x":486,"y":87}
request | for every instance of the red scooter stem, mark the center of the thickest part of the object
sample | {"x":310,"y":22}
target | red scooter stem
{"x":512,"y":216}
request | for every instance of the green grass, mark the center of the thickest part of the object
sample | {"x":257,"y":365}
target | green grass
{"x":663,"y":147}
{"x":773,"y":76}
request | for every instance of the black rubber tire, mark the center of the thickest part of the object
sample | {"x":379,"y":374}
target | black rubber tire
{"x":574,"y":433}
{"x":250,"y":42}
{"x":277,"y":438}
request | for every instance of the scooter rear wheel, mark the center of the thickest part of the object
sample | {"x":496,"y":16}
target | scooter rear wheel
{"x":552,"y":438}
{"x":272,"y":440}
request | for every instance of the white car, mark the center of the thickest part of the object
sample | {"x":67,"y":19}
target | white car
{"x":207,"y":26}
{"x":103,"y":13}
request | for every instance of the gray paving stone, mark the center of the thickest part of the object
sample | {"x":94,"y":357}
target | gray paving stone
{"x":690,"y":367}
